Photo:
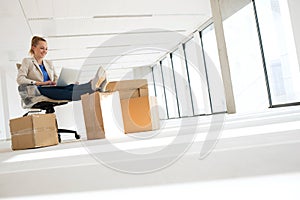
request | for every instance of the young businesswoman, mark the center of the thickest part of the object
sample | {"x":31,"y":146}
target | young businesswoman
{"x":40,"y":72}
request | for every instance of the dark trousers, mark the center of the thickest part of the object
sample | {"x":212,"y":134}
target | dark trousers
{"x":70,"y":92}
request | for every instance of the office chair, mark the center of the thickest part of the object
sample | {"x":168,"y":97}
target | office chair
{"x":34,"y":102}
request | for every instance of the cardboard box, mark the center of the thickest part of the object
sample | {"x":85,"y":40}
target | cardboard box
{"x":140,"y":114}
{"x":129,"y":88}
{"x":32,"y":131}
{"x":102,"y":115}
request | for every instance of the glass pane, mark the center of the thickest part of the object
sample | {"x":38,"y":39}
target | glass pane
{"x":170,"y":89}
{"x":182,"y":84}
{"x":160,"y":94}
{"x":245,"y":61}
{"x":213,"y":68}
{"x":197,"y":78}
{"x":280,"y":52}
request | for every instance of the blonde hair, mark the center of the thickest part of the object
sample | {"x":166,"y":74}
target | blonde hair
{"x":34,"y":42}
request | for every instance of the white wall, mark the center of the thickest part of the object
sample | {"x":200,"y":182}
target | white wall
{"x":294,"y":6}
{"x":229,"y":7}
{"x":14,"y":99}
{"x":2,"y":107}
{"x":10,"y":101}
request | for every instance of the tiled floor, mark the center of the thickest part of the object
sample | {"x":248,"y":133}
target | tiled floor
{"x":253,"y":156}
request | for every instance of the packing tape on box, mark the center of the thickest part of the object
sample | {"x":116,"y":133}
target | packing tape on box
{"x":31,"y":131}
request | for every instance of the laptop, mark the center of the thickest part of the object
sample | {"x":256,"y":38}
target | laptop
{"x":67,"y":76}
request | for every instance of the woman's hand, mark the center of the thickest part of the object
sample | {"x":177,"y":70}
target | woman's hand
{"x":46,"y":83}
{"x":52,"y":83}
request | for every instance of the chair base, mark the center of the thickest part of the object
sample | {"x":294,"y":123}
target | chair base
{"x":49,"y":108}
{"x":60,"y":130}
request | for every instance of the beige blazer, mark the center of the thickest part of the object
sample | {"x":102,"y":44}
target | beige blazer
{"x":30,"y":71}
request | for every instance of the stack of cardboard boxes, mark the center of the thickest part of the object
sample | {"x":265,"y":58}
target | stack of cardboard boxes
{"x":125,"y":107}
{"x":128,"y":109}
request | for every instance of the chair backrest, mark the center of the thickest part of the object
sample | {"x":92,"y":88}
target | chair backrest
{"x":18,"y":65}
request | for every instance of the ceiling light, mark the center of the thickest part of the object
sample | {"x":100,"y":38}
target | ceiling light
{"x":39,"y":18}
{"x":179,"y":14}
{"x":88,"y":17}
{"x":121,"y":16}
{"x":117,"y":33}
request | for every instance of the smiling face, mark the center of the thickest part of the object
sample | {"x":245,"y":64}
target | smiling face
{"x":40,"y":50}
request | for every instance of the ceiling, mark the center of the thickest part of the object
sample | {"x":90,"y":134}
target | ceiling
{"x":84,"y":34}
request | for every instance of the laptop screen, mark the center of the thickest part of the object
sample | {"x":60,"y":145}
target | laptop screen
{"x":67,"y":76}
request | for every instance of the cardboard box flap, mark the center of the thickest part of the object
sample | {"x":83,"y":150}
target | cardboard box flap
{"x":154,"y":110}
{"x":20,"y":124}
{"x":126,"y":85}
{"x":127,"y":94}
{"x":102,"y":115}
{"x":32,"y":122}
{"x":112,"y":115}
{"x":92,"y":116}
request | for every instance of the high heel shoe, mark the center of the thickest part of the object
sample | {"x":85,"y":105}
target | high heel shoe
{"x":99,"y":79}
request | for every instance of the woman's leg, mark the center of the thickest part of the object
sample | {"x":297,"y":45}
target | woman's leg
{"x":57,"y":92}
{"x":73,"y":92}
{"x":81,"y":89}
{"x":70,"y":92}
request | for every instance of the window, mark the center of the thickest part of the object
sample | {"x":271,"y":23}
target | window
{"x":182,"y":83}
{"x":279,"y":50}
{"x":197,"y":75}
{"x":213,"y":70}
{"x":160,"y":93}
{"x":170,"y":87}
{"x":245,"y":60}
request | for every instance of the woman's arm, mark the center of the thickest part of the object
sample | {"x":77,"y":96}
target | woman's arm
{"x":23,"y":71}
{"x":29,"y":73}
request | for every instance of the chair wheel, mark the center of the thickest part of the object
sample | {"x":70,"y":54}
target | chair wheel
{"x":77,"y":136}
{"x":59,"y":138}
